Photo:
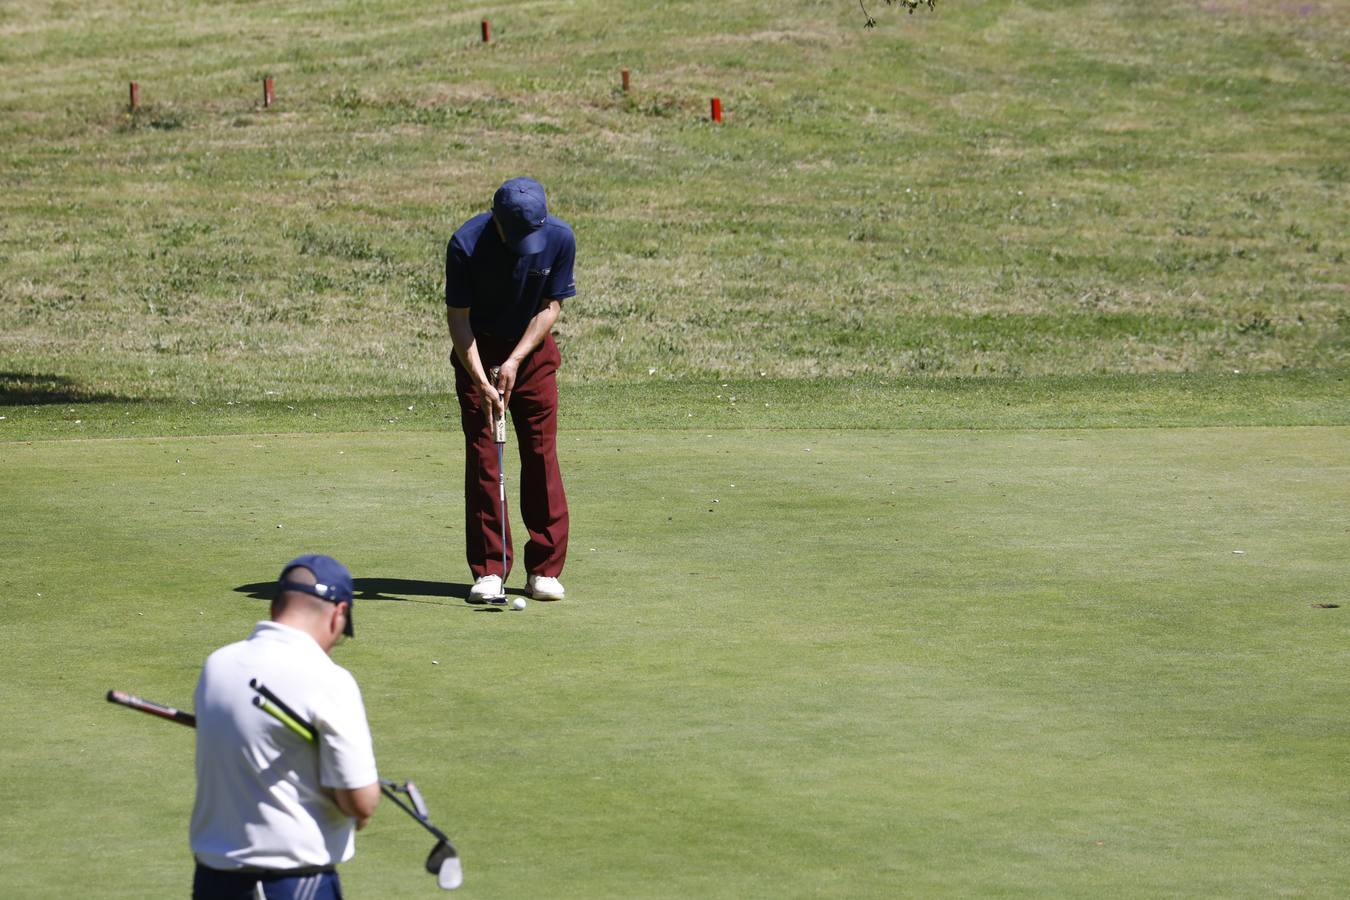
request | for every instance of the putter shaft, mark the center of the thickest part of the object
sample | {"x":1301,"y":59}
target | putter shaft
{"x":499,"y":438}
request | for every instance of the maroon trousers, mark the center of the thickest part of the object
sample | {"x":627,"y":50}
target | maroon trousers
{"x":543,"y":505}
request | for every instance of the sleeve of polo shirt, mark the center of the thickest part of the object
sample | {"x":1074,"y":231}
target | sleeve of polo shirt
{"x":561,"y":284}
{"x":346,"y":751}
{"x":458,"y":291}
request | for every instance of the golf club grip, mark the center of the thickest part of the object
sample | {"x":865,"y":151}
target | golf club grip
{"x":280,"y":704}
{"x":415,"y":797}
{"x":498,"y":422}
{"x":288,"y":716}
{"x":301,"y":728}
{"x":131,"y":701}
{"x":394,"y":799}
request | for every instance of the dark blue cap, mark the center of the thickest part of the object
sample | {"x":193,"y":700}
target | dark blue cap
{"x":332,"y":582}
{"x":520,"y":207}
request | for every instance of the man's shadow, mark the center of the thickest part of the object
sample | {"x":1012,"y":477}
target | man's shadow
{"x":403,"y":590}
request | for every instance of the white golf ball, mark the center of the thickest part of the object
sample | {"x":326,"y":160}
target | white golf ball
{"x":518,"y":603}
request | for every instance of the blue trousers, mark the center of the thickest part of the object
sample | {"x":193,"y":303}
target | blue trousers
{"x":213,"y":884}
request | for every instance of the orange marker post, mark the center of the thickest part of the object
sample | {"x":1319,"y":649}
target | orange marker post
{"x":269,"y":92}
{"x":625,"y":80}
{"x":717,"y":109}
{"x":135,"y":96}
{"x":487,"y":32}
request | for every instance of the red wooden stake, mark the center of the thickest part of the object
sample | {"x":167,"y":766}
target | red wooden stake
{"x":625,"y":81}
{"x":716,"y":109}
{"x":487,"y":32}
{"x":135,"y":96}
{"x":269,"y":93}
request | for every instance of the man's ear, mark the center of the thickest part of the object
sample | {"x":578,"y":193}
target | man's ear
{"x":336,"y":619}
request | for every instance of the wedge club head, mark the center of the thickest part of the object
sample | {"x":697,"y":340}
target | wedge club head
{"x":443,"y":862}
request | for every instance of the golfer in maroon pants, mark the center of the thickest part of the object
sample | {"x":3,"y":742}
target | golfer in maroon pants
{"x":506,"y":274}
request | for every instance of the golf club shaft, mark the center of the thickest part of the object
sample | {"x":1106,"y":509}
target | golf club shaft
{"x":269,"y":706}
{"x":499,"y":438}
{"x":268,"y":703}
{"x":303,"y":729}
{"x":501,"y":497}
{"x":278,"y":702}
{"x":155,"y":709}
{"x":392,"y":794}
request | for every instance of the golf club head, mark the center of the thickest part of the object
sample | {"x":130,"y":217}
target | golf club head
{"x":498,"y":600}
{"x":416,"y":797}
{"x":443,"y":862}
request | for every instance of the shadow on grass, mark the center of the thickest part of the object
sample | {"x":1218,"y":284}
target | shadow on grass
{"x":32,"y":388}
{"x":403,"y":590}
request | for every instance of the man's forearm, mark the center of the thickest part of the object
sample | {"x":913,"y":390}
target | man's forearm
{"x":359,"y":803}
{"x":465,"y":345}
{"x":537,"y":330}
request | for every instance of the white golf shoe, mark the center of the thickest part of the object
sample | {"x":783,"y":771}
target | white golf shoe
{"x":484,"y":588}
{"x":542,"y":587}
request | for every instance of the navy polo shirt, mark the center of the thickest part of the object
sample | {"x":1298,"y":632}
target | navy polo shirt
{"x":502,"y":291}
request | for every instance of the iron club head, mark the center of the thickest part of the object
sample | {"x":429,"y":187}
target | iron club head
{"x":443,"y":862}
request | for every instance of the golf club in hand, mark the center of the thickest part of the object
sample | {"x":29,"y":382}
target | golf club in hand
{"x":442,"y":861}
{"x":498,"y":424}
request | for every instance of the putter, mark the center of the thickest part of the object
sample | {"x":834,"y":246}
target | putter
{"x":499,"y":437}
{"x":442,"y":861}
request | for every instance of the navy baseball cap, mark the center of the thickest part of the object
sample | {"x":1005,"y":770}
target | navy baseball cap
{"x":332,"y":582}
{"x":520,"y":207}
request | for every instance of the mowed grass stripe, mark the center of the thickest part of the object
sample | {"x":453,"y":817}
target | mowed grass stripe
{"x":51,"y":408}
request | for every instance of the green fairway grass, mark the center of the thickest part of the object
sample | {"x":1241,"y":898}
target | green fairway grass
{"x":1146,"y":401}
{"x":813,"y":662}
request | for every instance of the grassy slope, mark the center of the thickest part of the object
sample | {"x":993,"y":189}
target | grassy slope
{"x":1042,"y":668}
{"x":994,"y":188}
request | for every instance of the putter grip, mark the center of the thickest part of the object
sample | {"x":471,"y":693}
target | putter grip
{"x":498,"y":422}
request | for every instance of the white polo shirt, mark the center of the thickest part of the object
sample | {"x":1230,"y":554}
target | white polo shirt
{"x":259,"y":785}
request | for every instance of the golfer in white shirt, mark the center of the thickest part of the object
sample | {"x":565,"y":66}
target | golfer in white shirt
{"x":274,"y":813}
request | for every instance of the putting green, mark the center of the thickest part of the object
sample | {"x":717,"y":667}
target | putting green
{"x":792,"y":663}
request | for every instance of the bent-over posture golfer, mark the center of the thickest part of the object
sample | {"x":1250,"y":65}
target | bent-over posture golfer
{"x":275,"y":814}
{"x":506,"y":274}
